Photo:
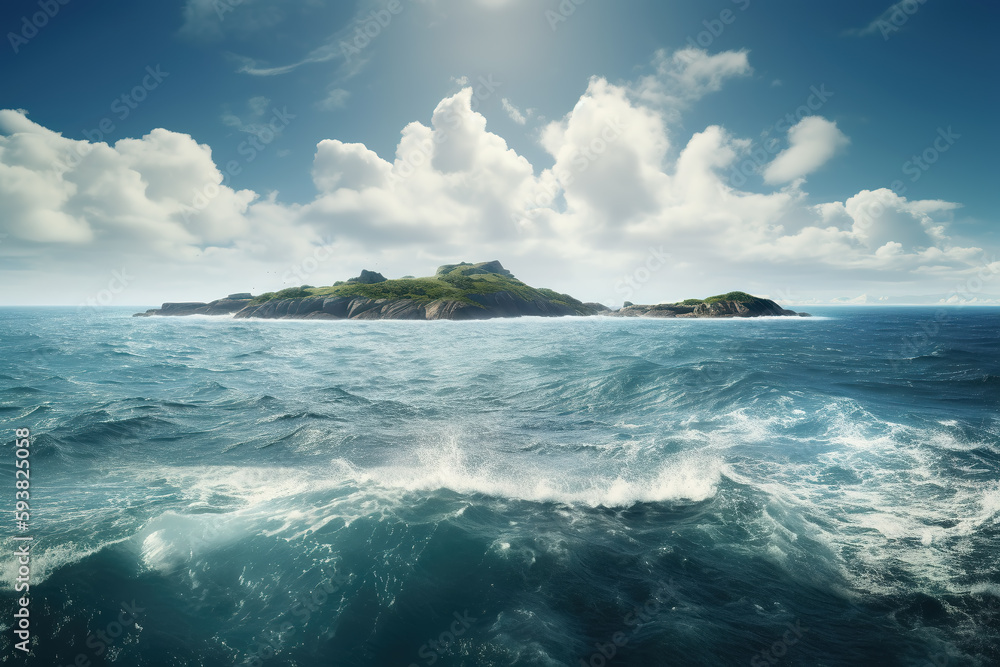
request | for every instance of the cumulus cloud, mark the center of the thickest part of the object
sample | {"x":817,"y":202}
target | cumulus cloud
{"x":812,"y":142}
{"x":351,"y":166}
{"x":137,"y":196}
{"x":615,"y":189}
{"x":451,"y":182}
{"x":608,"y":158}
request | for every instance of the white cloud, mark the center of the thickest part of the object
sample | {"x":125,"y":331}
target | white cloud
{"x":512,"y":111}
{"x":134,"y":196}
{"x":812,"y":142}
{"x":352,"y":166}
{"x":608,"y":157}
{"x":689,"y":74}
{"x":451,"y":182}
{"x":454,"y":190}
{"x":336,"y":98}
{"x":882,"y":217}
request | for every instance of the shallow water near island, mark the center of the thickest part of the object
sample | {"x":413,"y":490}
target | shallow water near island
{"x":820,"y":491}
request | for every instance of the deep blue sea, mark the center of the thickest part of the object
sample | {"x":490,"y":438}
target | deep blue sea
{"x":594,"y":491}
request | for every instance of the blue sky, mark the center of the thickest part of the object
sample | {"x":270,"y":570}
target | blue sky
{"x":830,"y":202}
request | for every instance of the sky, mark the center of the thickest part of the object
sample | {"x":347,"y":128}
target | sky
{"x":635,"y":150}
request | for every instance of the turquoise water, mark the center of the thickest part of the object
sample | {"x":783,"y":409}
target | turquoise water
{"x":594,"y":491}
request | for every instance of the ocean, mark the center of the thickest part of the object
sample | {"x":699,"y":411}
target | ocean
{"x":538,"y":492}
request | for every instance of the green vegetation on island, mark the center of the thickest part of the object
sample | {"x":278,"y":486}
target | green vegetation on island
{"x":736,"y":297}
{"x":456,"y":291}
{"x":452,"y":282}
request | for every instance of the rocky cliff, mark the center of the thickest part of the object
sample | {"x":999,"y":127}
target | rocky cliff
{"x":485,"y":306}
{"x":734,"y":304}
{"x":456,"y":292}
{"x":226,"y":306}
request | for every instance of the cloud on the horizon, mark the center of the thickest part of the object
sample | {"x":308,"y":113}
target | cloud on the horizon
{"x":454,"y":189}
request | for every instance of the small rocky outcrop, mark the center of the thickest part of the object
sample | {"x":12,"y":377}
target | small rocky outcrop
{"x":367,"y":278}
{"x":597,"y":307}
{"x":467,"y":269}
{"x":226,"y":306}
{"x":737,"y":307}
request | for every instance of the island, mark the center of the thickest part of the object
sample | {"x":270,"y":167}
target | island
{"x":733,"y":304}
{"x":464,"y":291}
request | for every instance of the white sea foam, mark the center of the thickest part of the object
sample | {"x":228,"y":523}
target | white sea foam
{"x":887,"y":496}
{"x":596,"y":482}
{"x":48,"y":559}
{"x":893,"y":500}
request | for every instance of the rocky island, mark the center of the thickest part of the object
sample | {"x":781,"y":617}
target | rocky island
{"x":455,"y":292}
{"x":733,"y":304}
